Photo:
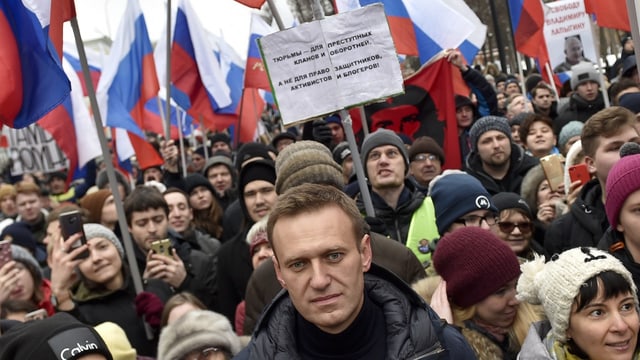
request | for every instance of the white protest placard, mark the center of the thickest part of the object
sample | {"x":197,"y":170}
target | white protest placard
{"x":569,"y":34}
{"x":32,"y":149}
{"x":321,"y":67}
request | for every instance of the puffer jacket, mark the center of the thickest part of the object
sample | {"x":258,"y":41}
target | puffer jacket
{"x":578,"y":109}
{"x":396,"y":221}
{"x":583,"y":225}
{"x":519,"y":165}
{"x":412,"y":326}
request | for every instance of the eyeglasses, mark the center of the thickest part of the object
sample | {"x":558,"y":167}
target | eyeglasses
{"x":508,"y":226}
{"x":424,"y":157}
{"x":476,"y":220}
{"x":390,"y":153}
{"x":205,"y":353}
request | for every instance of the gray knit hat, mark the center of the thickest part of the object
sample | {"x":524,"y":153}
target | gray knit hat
{"x":556,"y":284}
{"x":488,"y":123}
{"x":583,"y":72}
{"x":92,"y":231}
{"x":20,"y":254}
{"x":571,"y":129}
{"x":306,"y":162}
{"x":379,"y":138}
{"x":195,"y":330}
{"x":218,"y":160}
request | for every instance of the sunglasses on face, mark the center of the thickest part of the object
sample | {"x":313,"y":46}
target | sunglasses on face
{"x":507,"y":227}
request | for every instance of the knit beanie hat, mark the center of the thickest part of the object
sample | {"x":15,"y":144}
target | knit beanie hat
{"x":22,"y":255}
{"x":218,"y":159}
{"x":307,"y":162}
{"x":116,"y":341}
{"x":93,"y":203}
{"x":571,"y":129}
{"x":256,"y":170}
{"x":283,"y":135}
{"x":199,"y":150}
{"x":257,"y":235}
{"x":488,"y":123}
{"x":197,"y":329}
{"x":92,"y":231}
{"x":628,"y":64}
{"x":623,"y":179}
{"x":58,"y":337}
{"x":341,"y":152}
{"x":583,"y":72}
{"x":379,"y":138}
{"x":333,"y":119}
{"x":20,"y":234}
{"x":462,"y":100}
{"x":556,"y":284}
{"x":511,"y":80}
{"x":7,"y":190}
{"x":509,"y":200}
{"x":251,"y":150}
{"x":426,"y":145}
{"x":531,"y":81}
{"x":475,"y":263}
{"x":454,"y":194}
{"x":519,"y":119}
{"x":192,"y":181}
{"x":629,"y":101}
{"x":217,"y":137}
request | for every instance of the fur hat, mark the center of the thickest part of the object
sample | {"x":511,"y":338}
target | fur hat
{"x":341,"y":152}
{"x":509,"y":200}
{"x":307,"y":162}
{"x":379,"y":138}
{"x":116,"y":340}
{"x":556,"y":284}
{"x":93,"y":203}
{"x":454,"y":194}
{"x":195,"y":330}
{"x":475,"y":263}
{"x":92,"y":231}
{"x":20,"y":234}
{"x":583,"y":72}
{"x":571,"y":129}
{"x":426,"y":145}
{"x":622,"y":181}
{"x":58,"y":337}
{"x":488,"y":123}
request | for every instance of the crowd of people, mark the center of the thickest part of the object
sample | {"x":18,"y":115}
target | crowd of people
{"x":271,"y":250}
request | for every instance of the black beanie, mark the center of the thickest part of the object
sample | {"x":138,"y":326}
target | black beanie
{"x":463,"y":101}
{"x":251,"y":150}
{"x":257,"y":170}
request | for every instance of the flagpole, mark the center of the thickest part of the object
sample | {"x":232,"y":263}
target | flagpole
{"x":236,"y":134}
{"x":184,"y":162}
{"x":363,"y":120}
{"x":167,"y":119}
{"x":276,"y":14}
{"x":111,"y":174}
{"x":553,"y":83}
{"x":522,"y":87}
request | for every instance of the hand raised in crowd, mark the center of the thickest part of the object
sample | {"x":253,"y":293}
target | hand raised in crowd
{"x":455,"y":57}
{"x":546,"y":212}
{"x":169,"y":152}
{"x":574,"y":192}
{"x":440,"y":302}
{"x":8,"y":279}
{"x":168,"y":269}
{"x":64,"y":261}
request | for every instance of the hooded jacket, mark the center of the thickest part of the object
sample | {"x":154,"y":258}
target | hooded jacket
{"x":613,"y":237}
{"x":583,"y":225}
{"x":519,"y":165}
{"x":414,"y":331}
{"x":578,"y":109}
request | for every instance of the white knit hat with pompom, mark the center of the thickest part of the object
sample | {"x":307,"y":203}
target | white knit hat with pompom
{"x":556,"y":284}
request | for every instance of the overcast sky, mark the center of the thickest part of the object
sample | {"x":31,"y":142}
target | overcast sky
{"x":226,"y":18}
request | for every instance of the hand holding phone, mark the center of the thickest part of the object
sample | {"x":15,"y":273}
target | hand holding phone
{"x":39,"y":314}
{"x":162,"y":247}
{"x":579,"y":172}
{"x":71,"y":223}
{"x":553,"y":171}
{"x":5,"y":252}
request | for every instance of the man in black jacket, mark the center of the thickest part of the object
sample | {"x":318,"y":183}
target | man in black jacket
{"x":586,"y":99}
{"x":334,"y":307}
{"x":602,"y":136}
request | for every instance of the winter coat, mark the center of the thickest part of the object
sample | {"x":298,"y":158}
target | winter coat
{"x":234,"y":270}
{"x":396,"y":221}
{"x":412,"y":326}
{"x":613,"y":242}
{"x":583,"y":225}
{"x":579,"y":109}
{"x":263,"y":285}
{"x":519,"y":165}
{"x":487,"y":99}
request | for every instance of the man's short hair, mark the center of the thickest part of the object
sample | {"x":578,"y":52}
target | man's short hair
{"x":144,"y":198}
{"x":308,"y":198}
{"x":541,"y":85}
{"x":174,"y":189}
{"x":604,"y":123}
{"x":25,"y":187}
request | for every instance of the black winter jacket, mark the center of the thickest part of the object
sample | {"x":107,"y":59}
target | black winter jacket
{"x":520,"y":163}
{"x":578,"y":109}
{"x":583,"y":225}
{"x":411,"y":333}
{"x":612,"y":237}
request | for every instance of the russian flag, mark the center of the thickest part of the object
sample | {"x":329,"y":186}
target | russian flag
{"x":610,"y":14}
{"x":256,"y":4}
{"x":474,"y":42}
{"x":94,"y":59}
{"x":154,"y":116}
{"x":255,"y":75}
{"x":128,"y":81}
{"x":33,"y":80}
{"x":195,"y":71}
{"x":437,"y":25}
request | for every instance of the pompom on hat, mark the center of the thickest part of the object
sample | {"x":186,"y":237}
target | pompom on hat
{"x":475,"y":263}
{"x":556,"y":284}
